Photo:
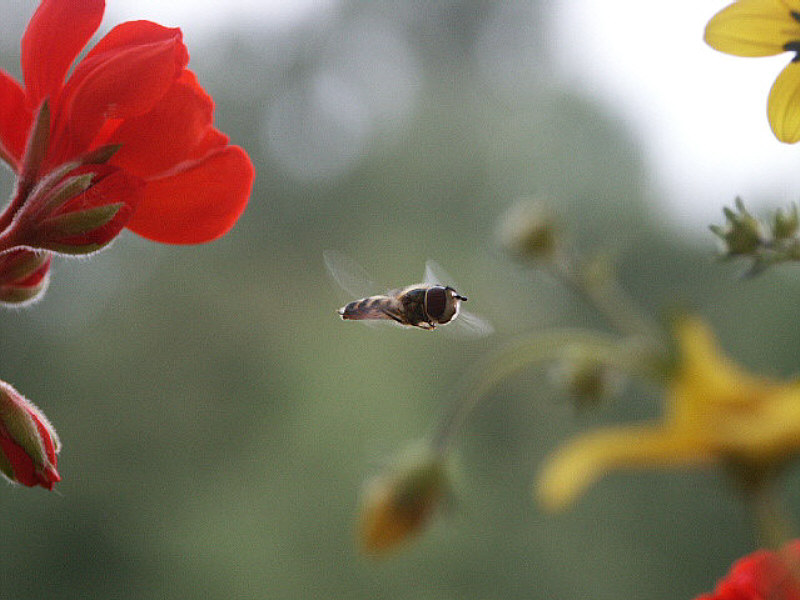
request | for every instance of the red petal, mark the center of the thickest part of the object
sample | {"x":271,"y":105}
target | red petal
{"x":138,"y":33}
{"x":167,"y":135}
{"x":56,"y":33}
{"x":24,"y":469}
{"x":198,"y":203}
{"x":114,"y":85}
{"x":15,"y":119}
{"x":212,"y":139}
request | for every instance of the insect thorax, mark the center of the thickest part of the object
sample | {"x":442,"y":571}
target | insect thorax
{"x":413,"y":300}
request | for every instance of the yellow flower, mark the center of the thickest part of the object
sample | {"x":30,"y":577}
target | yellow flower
{"x":765,"y":28}
{"x":715,"y":413}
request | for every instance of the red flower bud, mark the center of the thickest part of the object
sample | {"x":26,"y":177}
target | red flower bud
{"x":28,"y":442}
{"x":24,"y":275}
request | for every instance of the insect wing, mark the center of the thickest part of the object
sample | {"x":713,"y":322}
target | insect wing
{"x":436,"y":275}
{"x":465,"y":324}
{"x":349,"y":275}
{"x":356,"y":284}
{"x":468,"y":325}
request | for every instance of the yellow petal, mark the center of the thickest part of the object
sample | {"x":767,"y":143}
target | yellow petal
{"x":752,"y":28}
{"x":783,"y":107}
{"x":768,"y":432}
{"x":706,"y":376}
{"x":574,"y":467}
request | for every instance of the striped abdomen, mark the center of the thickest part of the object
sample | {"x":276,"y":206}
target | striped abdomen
{"x":372,"y":307}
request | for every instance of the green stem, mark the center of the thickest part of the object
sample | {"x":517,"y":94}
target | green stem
{"x":772,"y":525}
{"x":627,"y":355}
{"x":606,"y":296}
{"x":757,"y":480}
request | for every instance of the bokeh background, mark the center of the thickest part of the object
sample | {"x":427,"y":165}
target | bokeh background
{"x":218,"y":419}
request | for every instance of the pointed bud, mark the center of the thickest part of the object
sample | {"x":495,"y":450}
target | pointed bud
{"x":786,"y":225}
{"x":28,"y":443}
{"x":398,"y":503}
{"x":528,"y":230}
{"x":79,"y":213}
{"x":24,"y":275}
{"x":742,"y":233}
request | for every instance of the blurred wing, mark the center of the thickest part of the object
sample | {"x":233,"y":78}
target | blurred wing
{"x":435,"y":274}
{"x":468,"y":325}
{"x":349,"y":275}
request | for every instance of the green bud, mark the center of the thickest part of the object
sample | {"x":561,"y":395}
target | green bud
{"x":742,"y":233}
{"x":786,"y":225}
{"x":588,"y":381}
{"x":528,"y":230}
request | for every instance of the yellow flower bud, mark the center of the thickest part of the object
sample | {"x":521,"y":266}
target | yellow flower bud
{"x":398,"y":503}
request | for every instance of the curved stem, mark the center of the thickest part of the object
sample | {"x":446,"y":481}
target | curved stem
{"x":772,"y":525}
{"x":606,"y":296}
{"x":757,"y":483}
{"x":627,"y":355}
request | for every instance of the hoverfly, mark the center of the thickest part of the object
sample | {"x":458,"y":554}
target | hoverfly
{"x":426,"y":305}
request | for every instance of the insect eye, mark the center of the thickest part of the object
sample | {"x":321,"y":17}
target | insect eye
{"x":436,"y":302}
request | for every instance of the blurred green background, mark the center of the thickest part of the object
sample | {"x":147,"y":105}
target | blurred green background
{"x":218,"y":419}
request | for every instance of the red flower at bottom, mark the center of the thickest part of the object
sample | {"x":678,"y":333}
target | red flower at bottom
{"x":763,"y":575}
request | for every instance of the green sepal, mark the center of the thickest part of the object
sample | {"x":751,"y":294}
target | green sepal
{"x":38,"y":142}
{"x":65,"y":192}
{"x":21,"y":427}
{"x":80,"y":222}
{"x":6,"y":468}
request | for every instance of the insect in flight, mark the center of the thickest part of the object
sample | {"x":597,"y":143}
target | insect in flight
{"x":426,"y":305}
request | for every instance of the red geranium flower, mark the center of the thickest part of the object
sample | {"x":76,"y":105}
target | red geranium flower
{"x":133,"y":90}
{"x":763,"y":575}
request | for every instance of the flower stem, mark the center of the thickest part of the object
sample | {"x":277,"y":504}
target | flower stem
{"x":757,"y":482}
{"x":602,"y":291}
{"x":771,"y":523}
{"x":626,"y":355}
